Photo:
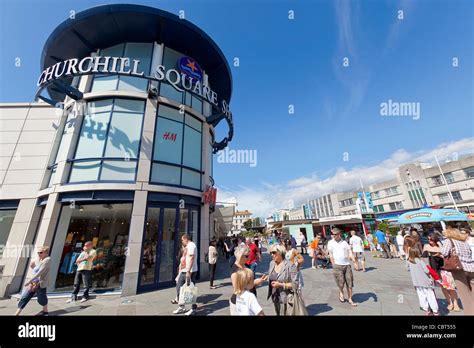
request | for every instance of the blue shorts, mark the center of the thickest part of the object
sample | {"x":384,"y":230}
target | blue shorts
{"x":27,"y":295}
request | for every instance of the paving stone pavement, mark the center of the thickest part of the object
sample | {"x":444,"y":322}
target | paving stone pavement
{"x":385,"y":289}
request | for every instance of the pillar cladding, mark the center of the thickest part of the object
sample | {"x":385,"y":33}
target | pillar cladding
{"x":19,"y":248}
{"x":134,"y":249}
{"x":47,"y":228}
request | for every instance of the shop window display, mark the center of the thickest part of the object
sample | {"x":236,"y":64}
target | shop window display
{"x":107,"y":227}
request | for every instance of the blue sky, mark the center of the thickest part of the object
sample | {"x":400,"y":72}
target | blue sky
{"x":300,"y":62}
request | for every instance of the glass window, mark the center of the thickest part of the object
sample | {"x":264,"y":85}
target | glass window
{"x":171,"y":58}
{"x":107,"y":82}
{"x":134,"y":84}
{"x":85,"y":171}
{"x":191,"y":179}
{"x":457,"y":196}
{"x":449,"y":178}
{"x":469,"y":172}
{"x":118,"y":170}
{"x":178,"y":144}
{"x":150,"y":242}
{"x":6,"y":222}
{"x":188,"y":99}
{"x":170,"y":92}
{"x":192,"y":148}
{"x":129,"y":105}
{"x":170,"y":113}
{"x":114,"y":51}
{"x":168,"y":245}
{"x":168,"y":141}
{"x":140,"y":51}
{"x":193,"y":232}
{"x":113,"y":134}
{"x":124,"y":135}
{"x":437,"y":180}
{"x":104,"y":83}
{"x":93,"y":134}
{"x":443,"y":198}
{"x":197,"y":104}
{"x":194,"y":123}
{"x":103,"y":105}
{"x":107,"y":227}
{"x":165,"y":174}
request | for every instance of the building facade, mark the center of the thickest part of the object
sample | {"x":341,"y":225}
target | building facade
{"x":239,"y":218}
{"x":124,"y":157}
{"x":222,"y":221}
{"x":415,"y":185}
{"x":296,"y":214}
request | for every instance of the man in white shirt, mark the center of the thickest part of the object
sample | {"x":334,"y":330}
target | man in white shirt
{"x":400,"y":240}
{"x":340,"y":253}
{"x":357,"y":247}
{"x":188,"y":271}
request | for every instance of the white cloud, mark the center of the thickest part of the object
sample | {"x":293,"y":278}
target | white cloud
{"x":263,"y":200}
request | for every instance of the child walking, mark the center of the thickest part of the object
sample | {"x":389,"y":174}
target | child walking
{"x":423,"y":284}
{"x":243,"y":302}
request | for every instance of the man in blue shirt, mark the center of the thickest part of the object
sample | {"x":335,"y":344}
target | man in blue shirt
{"x":383,"y":244}
{"x":293,"y":242}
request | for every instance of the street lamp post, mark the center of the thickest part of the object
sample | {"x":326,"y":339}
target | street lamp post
{"x":446,"y":183}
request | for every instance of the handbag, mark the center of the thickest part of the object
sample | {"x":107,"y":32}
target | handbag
{"x":452,"y":262}
{"x":32,"y":287}
{"x":188,"y":294}
{"x":433,"y":273}
{"x":295,"y":303}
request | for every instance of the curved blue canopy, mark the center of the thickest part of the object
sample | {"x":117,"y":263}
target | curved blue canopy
{"x":431,"y":215}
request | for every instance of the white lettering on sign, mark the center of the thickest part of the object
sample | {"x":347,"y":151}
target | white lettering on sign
{"x":123,"y":66}
{"x":37,"y":331}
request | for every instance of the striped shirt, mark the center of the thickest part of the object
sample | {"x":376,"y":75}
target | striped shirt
{"x":463,"y":250}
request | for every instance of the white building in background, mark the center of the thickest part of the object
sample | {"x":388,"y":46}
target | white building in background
{"x":281,"y":215}
{"x":415,"y":185}
{"x":238,"y":220}
{"x":221,"y":221}
{"x":296,"y":214}
{"x":268,"y":222}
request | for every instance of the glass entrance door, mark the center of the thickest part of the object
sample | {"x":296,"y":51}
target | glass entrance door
{"x":168,"y":244}
{"x":165,"y":224}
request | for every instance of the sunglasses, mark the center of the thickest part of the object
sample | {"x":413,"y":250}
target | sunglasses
{"x":336,"y":234}
{"x":245,"y":255}
{"x":273,"y":253}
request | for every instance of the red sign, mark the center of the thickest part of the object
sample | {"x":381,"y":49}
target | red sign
{"x":210,"y":195}
{"x":169,"y":136}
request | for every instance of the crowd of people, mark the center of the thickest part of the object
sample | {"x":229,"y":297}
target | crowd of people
{"x":443,"y":260}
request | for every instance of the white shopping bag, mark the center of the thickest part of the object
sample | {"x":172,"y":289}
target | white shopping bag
{"x":188,"y":294}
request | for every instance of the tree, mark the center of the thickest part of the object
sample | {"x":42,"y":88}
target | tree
{"x":385,"y":227}
{"x":248,"y":224}
{"x":256,"y":221}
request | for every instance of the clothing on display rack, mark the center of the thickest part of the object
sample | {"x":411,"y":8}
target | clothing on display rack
{"x":69,"y":263}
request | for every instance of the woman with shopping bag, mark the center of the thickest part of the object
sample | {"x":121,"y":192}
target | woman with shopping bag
{"x":38,"y":283}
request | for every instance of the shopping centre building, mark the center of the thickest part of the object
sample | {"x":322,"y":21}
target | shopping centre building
{"x":116,"y":149}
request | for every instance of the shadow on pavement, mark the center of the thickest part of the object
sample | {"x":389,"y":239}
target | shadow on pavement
{"x":359,"y":298}
{"x":368,"y":269}
{"x":208,"y":298}
{"x":318,"y":308}
{"x":209,"y":308}
{"x":72,"y":310}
